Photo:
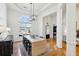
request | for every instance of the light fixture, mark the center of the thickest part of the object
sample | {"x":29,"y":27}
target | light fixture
{"x":33,"y":16}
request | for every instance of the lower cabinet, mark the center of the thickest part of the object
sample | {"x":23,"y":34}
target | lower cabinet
{"x":1,"y":48}
{"x":6,"y":48}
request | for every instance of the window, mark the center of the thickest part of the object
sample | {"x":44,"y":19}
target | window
{"x":25,"y":23}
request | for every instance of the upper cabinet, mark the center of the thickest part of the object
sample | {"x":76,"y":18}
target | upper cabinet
{"x":3,"y":14}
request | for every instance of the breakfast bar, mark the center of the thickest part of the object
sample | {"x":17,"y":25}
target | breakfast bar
{"x":34,"y":45}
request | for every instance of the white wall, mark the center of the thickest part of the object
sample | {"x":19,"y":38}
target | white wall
{"x":40,"y":25}
{"x":3,"y":14}
{"x":34,"y":27}
{"x":49,"y":11}
{"x":46,"y":12}
{"x":51,"y":20}
{"x":13,"y":21}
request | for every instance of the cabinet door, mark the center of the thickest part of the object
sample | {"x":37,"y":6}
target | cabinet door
{"x":1,"y":49}
{"x":7,"y":48}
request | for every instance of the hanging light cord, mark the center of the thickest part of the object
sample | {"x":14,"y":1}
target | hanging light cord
{"x":33,"y":15}
{"x":33,"y":10}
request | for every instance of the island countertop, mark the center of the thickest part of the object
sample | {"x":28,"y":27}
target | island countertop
{"x":34,"y":39}
{"x":7,"y":38}
{"x":39,"y":45}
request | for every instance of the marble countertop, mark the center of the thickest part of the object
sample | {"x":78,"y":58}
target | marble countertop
{"x":5,"y":38}
{"x":34,"y":39}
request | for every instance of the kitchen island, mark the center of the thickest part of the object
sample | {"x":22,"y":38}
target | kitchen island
{"x":35,"y":45}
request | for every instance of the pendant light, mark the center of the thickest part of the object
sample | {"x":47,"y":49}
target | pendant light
{"x":33,"y":16}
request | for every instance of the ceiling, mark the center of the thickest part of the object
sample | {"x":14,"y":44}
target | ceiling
{"x":27,"y":7}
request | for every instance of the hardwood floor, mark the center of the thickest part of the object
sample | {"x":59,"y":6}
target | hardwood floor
{"x":77,"y":50}
{"x":15,"y":49}
{"x":54,"y":52}
{"x":59,"y":51}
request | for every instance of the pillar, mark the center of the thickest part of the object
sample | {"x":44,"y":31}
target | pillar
{"x":71,"y":29}
{"x":59,"y":27}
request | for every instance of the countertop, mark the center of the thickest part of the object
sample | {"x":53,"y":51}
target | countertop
{"x":7,"y":38}
{"x":34,"y":39}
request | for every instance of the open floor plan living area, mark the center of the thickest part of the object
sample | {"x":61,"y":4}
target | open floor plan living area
{"x":39,"y":29}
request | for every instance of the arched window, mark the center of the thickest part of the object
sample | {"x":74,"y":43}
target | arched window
{"x":25,"y":23}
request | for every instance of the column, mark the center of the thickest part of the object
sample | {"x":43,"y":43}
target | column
{"x":59,"y":27}
{"x":71,"y":29}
